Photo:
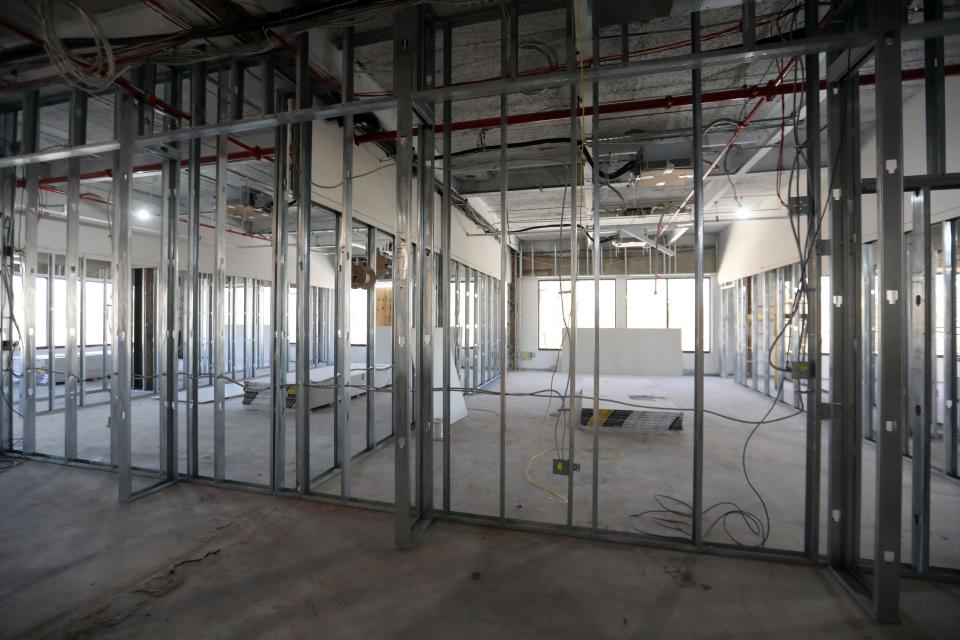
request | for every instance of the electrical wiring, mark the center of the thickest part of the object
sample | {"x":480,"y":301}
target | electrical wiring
{"x":538,"y":451}
{"x":682,"y":520}
{"x":355,"y":177}
{"x":94,"y":73}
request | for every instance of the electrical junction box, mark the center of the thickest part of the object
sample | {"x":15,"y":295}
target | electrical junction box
{"x":798,"y":206}
{"x":561,"y":467}
{"x":801,"y":370}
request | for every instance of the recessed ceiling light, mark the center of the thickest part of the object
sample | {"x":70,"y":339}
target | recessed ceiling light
{"x":660,"y":184}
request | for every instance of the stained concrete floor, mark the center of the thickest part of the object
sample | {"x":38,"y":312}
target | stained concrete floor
{"x":636,"y":467}
{"x":205,"y":562}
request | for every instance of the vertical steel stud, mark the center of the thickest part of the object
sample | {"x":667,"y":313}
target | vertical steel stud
{"x":444,"y":280}
{"x":811,"y":542}
{"x":169,"y":299}
{"x":122,"y":210}
{"x":218,"y":322}
{"x":576,"y":168}
{"x":344,"y":264}
{"x":304,"y":98}
{"x":198,"y":89}
{"x":893,"y":312}
{"x":78,"y":136}
{"x":406,"y":32}
{"x":278,"y":307}
{"x":698,"y":289}
{"x":595,"y":188}
{"x":31,"y":113}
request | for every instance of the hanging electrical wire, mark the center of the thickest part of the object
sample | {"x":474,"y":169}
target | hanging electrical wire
{"x":94,"y":72}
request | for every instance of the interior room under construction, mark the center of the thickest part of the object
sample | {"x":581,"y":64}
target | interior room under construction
{"x":473,"y":318}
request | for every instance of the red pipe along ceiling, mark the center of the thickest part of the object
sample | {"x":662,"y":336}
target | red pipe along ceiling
{"x":769,"y":91}
{"x":237,"y":156}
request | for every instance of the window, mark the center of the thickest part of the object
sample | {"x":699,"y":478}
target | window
{"x":647,"y":303}
{"x":292,"y":315}
{"x":654,"y":303}
{"x":554,"y":309}
{"x":358,"y":317}
{"x":95,"y":304}
{"x":826,"y":313}
{"x":40,"y":307}
{"x":680,"y":311}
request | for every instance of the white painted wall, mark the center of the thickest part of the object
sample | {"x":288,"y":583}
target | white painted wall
{"x":944,"y":204}
{"x":374,"y":203}
{"x":250,"y":258}
{"x":374,"y":197}
{"x":751,"y":247}
{"x":527,"y":338}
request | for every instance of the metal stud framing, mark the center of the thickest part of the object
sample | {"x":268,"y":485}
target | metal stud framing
{"x":278,"y":297}
{"x":575,"y":181}
{"x":122,"y":324}
{"x":344,"y":261}
{"x":893,"y":312}
{"x":844,"y":469}
{"x":8,"y":190}
{"x":218,"y":322}
{"x":426,"y":270}
{"x":303,"y":150}
{"x":29,"y":275}
{"x":406,"y":34}
{"x":198,"y":85}
{"x":508,"y":34}
{"x":169,"y":298}
{"x":595,"y":179}
{"x":372,"y":252}
{"x":697,"y":531}
{"x":811,"y":518}
{"x":444,"y":280}
{"x":78,"y":134}
{"x":483,"y":344}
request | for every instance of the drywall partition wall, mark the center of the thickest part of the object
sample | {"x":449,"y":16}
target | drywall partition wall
{"x":635,"y":352}
{"x":374,"y":197}
{"x":527,"y":332}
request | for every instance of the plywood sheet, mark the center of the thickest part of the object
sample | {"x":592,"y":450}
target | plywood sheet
{"x":384,"y":306}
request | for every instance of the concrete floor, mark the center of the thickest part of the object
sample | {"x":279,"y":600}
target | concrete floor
{"x":205,"y":562}
{"x":635,"y":466}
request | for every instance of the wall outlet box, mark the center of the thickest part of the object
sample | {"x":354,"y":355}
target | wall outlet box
{"x":561,"y":467}
{"x":801,"y":370}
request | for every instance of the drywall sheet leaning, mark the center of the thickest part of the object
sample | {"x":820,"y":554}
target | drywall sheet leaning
{"x":636,"y":352}
{"x":458,"y":406}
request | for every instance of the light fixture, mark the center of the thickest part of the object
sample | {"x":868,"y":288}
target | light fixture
{"x":143,"y":214}
{"x":668,"y":168}
{"x":743,"y":211}
{"x":660,"y":184}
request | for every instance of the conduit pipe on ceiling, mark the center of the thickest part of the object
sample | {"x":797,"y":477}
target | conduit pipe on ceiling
{"x":237,"y":156}
{"x":767,"y":92}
